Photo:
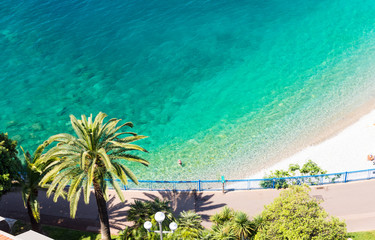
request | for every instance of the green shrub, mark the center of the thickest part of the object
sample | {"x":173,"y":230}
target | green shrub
{"x":274,"y":181}
{"x":308,"y":169}
{"x":296,"y":215}
{"x":10,"y":165}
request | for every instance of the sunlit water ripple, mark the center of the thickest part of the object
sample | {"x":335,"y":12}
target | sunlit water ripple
{"x":218,"y":84}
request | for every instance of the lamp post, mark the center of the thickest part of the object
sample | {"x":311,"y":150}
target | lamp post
{"x":159,"y":217}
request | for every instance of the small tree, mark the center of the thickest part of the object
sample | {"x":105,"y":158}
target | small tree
{"x":224,"y":216}
{"x":95,"y":157}
{"x":296,"y":215}
{"x":242,"y":227}
{"x":10,"y":165}
{"x":189,"y":226}
{"x":31,"y":176}
{"x":229,"y":224}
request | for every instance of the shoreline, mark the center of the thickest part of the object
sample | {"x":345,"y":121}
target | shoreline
{"x":339,"y":148}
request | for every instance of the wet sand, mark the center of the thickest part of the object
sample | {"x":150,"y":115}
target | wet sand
{"x":342,"y":147}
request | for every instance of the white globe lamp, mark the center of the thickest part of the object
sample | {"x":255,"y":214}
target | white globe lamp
{"x":173,"y":226}
{"x":147,"y":225}
{"x":159,"y":217}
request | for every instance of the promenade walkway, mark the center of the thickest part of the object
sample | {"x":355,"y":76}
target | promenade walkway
{"x":352,"y":202}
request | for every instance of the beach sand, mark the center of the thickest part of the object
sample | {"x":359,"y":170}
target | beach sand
{"x":342,"y":150}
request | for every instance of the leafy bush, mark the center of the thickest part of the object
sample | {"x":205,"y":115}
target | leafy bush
{"x":311,"y":168}
{"x":296,"y":215}
{"x":308,"y":169}
{"x":277,"y":182}
{"x":10,"y":165}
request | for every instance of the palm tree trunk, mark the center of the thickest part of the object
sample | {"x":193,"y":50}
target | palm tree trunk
{"x":35,"y":225}
{"x":103,"y":213}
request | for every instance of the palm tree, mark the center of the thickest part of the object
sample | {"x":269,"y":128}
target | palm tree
{"x":190,"y":219}
{"x":224,"y":216}
{"x":229,"y":224}
{"x":31,"y":177}
{"x":222,"y":232}
{"x":157,"y":205}
{"x":141,"y":211}
{"x":241,"y":226}
{"x":189,"y":225}
{"x":91,"y":157}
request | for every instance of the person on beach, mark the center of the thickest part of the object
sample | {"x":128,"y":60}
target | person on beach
{"x":371,"y":158}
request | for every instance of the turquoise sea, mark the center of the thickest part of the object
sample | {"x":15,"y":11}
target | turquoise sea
{"x":222,"y":85}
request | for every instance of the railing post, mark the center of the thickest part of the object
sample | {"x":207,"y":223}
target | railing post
{"x":199,"y":185}
{"x":150,"y":186}
{"x":346,"y":177}
{"x":223,"y":182}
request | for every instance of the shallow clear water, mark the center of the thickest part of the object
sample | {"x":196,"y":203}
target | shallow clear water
{"x":218,"y":84}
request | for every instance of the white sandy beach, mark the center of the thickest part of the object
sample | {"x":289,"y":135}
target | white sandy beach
{"x":345,"y":151}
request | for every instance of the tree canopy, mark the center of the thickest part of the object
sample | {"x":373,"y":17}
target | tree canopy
{"x":296,"y":215}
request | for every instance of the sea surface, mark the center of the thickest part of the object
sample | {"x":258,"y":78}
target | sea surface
{"x":222,"y":85}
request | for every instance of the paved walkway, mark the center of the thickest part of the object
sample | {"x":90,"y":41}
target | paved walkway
{"x":352,"y":202}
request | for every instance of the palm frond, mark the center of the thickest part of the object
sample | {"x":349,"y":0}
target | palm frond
{"x":131,"y":138}
{"x":61,"y":151}
{"x":75,"y":184}
{"x":61,"y":137}
{"x":74,"y":203}
{"x":127,"y":146}
{"x":120,"y":174}
{"x":103,"y":129}
{"x":127,"y":124}
{"x":54,"y":171}
{"x":89,"y":180}
{"x":78,"y":128}
{"x":60,"y":188}
{"x":108,"y":128}
{"x":117,"y":187}
{"x":105,"y":159}
{"x":84,"y":155}
{"x":99,"y":120}
{"x":129,"y":173}
{"x":129,"y":157}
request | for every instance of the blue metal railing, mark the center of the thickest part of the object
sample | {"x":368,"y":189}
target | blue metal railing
{"x":248,"y":184}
